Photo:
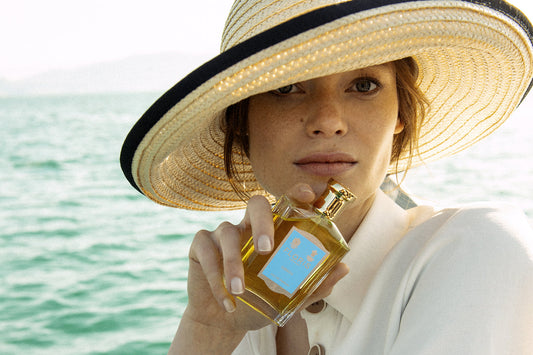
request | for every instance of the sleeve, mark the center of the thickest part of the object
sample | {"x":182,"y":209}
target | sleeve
{"x":472,"y":288}
{"x":258,"y":342}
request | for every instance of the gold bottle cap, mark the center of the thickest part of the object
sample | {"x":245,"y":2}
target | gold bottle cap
{"x":333,"y":199}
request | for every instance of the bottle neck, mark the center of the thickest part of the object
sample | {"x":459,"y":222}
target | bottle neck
{"x":334,"y":198}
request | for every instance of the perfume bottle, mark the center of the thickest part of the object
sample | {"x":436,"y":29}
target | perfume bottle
{"x":307,"y":245}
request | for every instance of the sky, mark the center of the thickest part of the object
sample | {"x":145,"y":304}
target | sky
{"x":38,"y":36}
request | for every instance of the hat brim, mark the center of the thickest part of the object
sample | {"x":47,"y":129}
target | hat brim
{"x":475,"y":66}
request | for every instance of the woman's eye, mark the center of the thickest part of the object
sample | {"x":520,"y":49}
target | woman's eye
{"x":286,"y":89}
{"x":366,"y":85}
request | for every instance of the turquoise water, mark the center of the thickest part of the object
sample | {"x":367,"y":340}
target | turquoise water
{"x":89,"y":266}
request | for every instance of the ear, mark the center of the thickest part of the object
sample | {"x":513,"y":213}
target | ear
{"x":399,"y":126}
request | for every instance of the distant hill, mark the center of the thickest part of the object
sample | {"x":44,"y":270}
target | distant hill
{"x":156,"y":72}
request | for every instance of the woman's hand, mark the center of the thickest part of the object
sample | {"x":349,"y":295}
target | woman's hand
{"x":216,"y":256}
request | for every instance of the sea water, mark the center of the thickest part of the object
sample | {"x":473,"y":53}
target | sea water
{"x":90,"y":266}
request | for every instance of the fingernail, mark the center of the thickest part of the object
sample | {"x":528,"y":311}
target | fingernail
{"x":236,"y":286}
{"x":263,"y":243}
{"x":306,"y":189}
{"x":229,"y":306}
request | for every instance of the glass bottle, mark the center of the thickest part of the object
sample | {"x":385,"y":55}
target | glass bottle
{"x":307,"y":245}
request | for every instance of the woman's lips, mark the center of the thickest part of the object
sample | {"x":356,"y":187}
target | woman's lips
{"x":326,"y":164}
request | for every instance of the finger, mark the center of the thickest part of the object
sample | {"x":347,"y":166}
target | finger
{"x":326,"y":287}
{"x":205,"y":252}
{"x":229,"y":240}
{"x":258,"y":219}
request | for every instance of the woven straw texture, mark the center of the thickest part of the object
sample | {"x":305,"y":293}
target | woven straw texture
{"x":475,"y":66}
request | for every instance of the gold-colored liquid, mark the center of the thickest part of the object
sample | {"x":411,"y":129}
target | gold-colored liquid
{"x":276,"y":306}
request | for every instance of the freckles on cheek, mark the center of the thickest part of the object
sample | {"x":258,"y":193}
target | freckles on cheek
{"x":260,"y":140}
{"x":260,"y":144}
{"x":266,"y":135}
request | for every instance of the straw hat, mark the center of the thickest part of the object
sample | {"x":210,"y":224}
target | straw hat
{"x":475,"y":61}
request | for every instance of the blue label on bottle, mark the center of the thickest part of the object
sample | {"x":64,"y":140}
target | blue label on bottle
{"x":294,"y":260}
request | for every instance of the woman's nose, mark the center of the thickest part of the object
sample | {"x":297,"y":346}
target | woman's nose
{"x":326,"y":116}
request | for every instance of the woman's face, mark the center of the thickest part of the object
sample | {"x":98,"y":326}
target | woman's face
{"x":339,"y":126}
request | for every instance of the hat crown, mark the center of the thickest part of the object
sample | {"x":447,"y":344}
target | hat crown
{"x":248,"y":18}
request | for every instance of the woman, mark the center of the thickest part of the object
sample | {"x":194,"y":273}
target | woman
{"x":353,"y":90}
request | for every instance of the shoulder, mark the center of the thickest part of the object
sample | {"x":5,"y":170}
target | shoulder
{"x":476,"y":241}
{"x":502,"y":227}
{"x":465,"y":275}
{"x":494,"y":224}
{"x":481,"y":214}
{"x":470,"y":241}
